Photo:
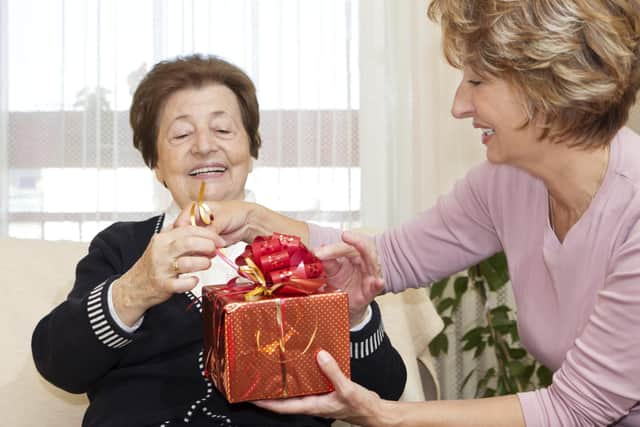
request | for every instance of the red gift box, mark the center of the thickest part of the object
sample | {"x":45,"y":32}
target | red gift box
{"x":261,"y":338}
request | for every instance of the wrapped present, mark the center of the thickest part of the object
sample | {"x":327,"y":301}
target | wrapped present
{"x":263,"y":329}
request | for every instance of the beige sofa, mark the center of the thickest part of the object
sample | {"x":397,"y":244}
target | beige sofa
{"x":37,"y":275}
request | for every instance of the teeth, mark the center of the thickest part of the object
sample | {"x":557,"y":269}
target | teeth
{"x":488,"y":132}
{"x":207,"y":170}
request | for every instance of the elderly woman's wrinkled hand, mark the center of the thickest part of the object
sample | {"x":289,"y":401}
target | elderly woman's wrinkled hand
{"x":349,"y":401}
{"x":158,"y":273}
{"x":354,"y":267}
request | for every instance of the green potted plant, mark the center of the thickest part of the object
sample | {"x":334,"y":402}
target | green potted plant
{"x":515,"y":370}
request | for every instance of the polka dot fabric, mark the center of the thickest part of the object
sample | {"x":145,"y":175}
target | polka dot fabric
{"x":267,"y":349}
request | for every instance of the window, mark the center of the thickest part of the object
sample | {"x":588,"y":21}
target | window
{"x":73,"y":67}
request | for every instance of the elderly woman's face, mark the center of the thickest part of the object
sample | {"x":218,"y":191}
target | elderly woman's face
{"x":497,"y":109}
{"x":201,"y":138}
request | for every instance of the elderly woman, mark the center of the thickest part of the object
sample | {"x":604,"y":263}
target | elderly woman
{"x":124,"y":335}
{"x":549,"y":84}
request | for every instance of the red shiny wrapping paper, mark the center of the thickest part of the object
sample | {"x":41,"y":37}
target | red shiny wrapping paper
{"x":267,"y":349}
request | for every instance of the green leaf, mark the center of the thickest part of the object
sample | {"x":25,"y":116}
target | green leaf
{"x":494,"y":269}
{"x":511,"y":386}
{"x":516,"y":367}
{"x":467,"y":378}
{"x":482,"y":383}
{"x":444,"y":305}
{"x":447,"y":321}
{"x":460,"y":286}
{"x":515,"y":337}
{"x":501,"y":388}
{"x":517,"y":353}
{"x":489,"y":392}
{"x":477,"y":331}
{"x":525,"y":378}
{"x":439,"y":344}
{"x":437,"y":289}
{"x":544,"y":376}
{"x":500,"y":309}
{"x":504,"y":327}
{"x":479,"y":350}
{"x":472,"y":342}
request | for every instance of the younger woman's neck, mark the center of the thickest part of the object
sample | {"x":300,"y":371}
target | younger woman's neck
{"x":573,"y":175}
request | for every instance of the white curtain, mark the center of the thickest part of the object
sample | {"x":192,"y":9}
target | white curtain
{"x":4,"y":163}
{"x":68,"y":69}
{"x":412,"y":149}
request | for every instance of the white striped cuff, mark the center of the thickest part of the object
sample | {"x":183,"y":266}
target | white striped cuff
{"x":362,"y":349}
{"x":99,"y":323}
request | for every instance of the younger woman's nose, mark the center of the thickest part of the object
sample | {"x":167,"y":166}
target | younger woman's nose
{"x":462,"y":104}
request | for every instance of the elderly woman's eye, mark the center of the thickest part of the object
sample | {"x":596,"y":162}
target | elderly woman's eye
{"x":224,"y":132}
{"x":179,"y":137}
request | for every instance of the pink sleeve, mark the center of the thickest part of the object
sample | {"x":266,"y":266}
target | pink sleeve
{"x":320,"y":236}
{"x":456,"y":233}
{"x":599,"y":381}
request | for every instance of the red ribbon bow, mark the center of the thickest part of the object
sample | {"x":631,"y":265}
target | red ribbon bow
{"x":278,"y":264}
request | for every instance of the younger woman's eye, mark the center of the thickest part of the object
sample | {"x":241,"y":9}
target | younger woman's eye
{"x":474,"y":82}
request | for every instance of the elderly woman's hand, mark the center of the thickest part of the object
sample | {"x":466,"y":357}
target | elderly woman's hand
{"x":349,"y":401}
{"x":354,"y":267}
{"x":155,"y":277}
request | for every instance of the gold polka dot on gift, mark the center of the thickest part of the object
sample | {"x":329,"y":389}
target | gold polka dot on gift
{"x":273,"y":345}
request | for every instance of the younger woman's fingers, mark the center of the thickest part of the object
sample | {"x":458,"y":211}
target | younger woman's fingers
{"x":334,"y":251}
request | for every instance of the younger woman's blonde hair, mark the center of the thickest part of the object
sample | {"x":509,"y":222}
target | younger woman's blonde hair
{"x":576,"y":62}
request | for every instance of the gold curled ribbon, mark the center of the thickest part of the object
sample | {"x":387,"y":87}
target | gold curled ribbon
{"x":280,"y":343}
{"x":206,"y":216}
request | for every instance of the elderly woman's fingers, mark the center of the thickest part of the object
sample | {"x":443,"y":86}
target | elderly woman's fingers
{"x":190,"y":264}
{"x":182,"y":284}
{"x":200,"y":232}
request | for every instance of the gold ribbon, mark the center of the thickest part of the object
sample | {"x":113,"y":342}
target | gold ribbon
{"x":206,"y":216}
{"x":281,"y":342}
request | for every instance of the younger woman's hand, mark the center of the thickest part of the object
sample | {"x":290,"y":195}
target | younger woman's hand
{"x":353,"y":266}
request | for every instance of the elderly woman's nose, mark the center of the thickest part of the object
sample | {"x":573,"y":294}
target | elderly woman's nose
{"x":205,"y":142}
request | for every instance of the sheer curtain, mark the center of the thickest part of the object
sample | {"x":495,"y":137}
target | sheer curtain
{"x":412,"y":149}
{"x":68,"y":69}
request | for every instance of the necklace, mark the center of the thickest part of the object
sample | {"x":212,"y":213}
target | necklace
{"x":598,"y":185}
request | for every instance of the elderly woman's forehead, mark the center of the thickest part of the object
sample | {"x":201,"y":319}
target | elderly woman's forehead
{"x":215,"y":100}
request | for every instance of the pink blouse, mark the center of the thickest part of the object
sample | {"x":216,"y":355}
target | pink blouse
{"x":578,"y":300}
